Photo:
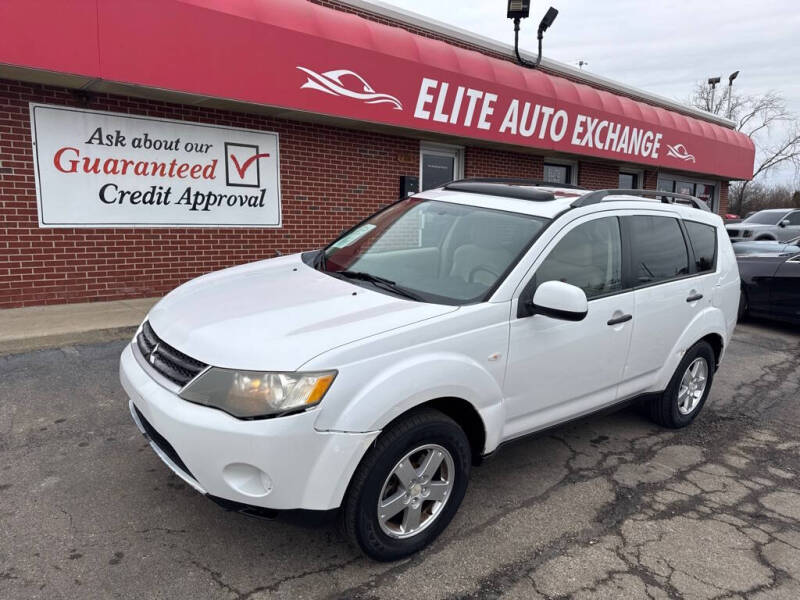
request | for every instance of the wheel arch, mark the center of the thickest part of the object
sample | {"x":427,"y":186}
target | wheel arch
{"x":717,"y":343}
{"x":462,"y":412}
{"x":369,"y":399}
{"x":709,"y":326}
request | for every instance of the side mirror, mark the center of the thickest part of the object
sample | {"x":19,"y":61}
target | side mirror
{"x":560,"y":300}
{"x":783,"y":223}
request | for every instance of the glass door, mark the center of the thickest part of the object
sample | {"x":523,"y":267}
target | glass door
{"x":439,"y":165}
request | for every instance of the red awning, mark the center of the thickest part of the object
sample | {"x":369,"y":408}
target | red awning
{"x":301,"y":56}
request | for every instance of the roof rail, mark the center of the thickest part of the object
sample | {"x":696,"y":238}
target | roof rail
{"x":503,"y":189}
{"x":666,"y":197}
{"x":516,"y":181}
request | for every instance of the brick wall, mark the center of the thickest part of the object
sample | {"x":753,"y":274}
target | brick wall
{"x":650,"y":180}
{"x":330,"y":179}
{"x":597,"y":175}
{"x":723,"y":198}
{"x":485,"y":162}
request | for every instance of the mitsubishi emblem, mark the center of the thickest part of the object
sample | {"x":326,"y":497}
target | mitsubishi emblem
{"x":153,"y":354}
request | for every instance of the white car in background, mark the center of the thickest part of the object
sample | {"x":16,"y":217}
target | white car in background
{"x":372,"y":375}
{"x":774,"y":224}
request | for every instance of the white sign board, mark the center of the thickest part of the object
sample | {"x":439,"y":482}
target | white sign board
{"x":99,"y":169}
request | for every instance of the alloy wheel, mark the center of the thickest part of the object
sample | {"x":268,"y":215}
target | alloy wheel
{"x":416,"y":491}
{"x":693,"y":385}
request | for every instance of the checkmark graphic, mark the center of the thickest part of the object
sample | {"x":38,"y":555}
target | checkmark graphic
{"x":242,"y":168}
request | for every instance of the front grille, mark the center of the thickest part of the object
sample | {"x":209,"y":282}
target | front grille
{"x":733,"y":232}
{"x":166,"y":360}
{"x":161,"y":442}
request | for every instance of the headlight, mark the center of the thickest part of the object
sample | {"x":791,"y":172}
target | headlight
{"x":250,"y":394}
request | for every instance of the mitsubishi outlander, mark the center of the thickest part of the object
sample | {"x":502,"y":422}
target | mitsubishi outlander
{"x":371,"y":375}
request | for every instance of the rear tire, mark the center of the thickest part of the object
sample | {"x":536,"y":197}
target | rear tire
{"x":421,"y":438}
{"x":686,"y":394}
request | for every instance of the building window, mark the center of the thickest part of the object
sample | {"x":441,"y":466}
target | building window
{"x":705,"y":192}
{"x":555,"y":173}
{"x":439,"y":164}
{"x":684,"y":187}
{"x":701,"y":189}
{"x":628,"y":181}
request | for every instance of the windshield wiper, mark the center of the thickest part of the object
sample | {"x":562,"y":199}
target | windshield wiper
{"x":321,"y":261}
{"x":381,"y":282}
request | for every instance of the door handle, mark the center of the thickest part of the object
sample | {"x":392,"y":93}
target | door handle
{"x":694,"y":297}
{"x":618,"y":320}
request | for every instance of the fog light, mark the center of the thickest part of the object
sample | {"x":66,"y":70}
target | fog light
{"x":247,"y":480}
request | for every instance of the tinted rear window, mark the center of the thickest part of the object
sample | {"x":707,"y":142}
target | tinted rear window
{"x":704,"y":243}
{"x":658,"y":249}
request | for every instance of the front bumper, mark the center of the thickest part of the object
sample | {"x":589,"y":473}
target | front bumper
{"x":281,"y":463}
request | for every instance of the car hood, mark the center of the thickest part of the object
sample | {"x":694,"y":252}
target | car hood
{"x":276,"y":315}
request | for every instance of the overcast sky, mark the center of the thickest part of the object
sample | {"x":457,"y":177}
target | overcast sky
{"x":663,"y":46}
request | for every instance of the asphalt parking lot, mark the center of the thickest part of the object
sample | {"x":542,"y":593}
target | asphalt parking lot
{"x":605,"y":508}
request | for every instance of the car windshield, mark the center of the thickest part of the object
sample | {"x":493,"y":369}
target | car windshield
{"x":765,"y":217}
{"x":432,"y":251}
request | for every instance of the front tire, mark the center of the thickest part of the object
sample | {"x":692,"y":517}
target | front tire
{"x":688,"y":389}
{"x":408,"y":486}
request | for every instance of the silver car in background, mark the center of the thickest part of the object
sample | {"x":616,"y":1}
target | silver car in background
{"x":776,"y":224}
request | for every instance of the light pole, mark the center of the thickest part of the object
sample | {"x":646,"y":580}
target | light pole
{"x":731,"y":77}
{"x":520,"y":9}
{"x":712,"y":81}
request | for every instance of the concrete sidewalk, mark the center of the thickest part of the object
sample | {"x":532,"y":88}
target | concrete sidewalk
{"x":29,"y":328}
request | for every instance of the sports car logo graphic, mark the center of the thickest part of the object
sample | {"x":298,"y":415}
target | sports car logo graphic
{"x":344,"y":82}
{"x":679,"y":151}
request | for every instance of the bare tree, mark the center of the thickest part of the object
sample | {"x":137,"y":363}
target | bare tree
{"x":764,"y":118}
{"x":759,"y":196}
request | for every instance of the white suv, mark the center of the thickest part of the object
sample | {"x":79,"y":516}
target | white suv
{"x":370,"y":376}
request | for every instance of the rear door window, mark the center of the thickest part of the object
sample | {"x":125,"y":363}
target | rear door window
{"x":658,"y":249}
{"x":704,"y":243}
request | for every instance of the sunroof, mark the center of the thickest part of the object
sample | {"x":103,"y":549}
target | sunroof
{"x":506,"y":190}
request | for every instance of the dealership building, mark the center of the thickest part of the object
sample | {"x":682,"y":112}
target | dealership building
{"x":145,"y":143}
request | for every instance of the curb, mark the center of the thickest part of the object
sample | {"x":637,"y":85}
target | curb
{"x":20,"y":346}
